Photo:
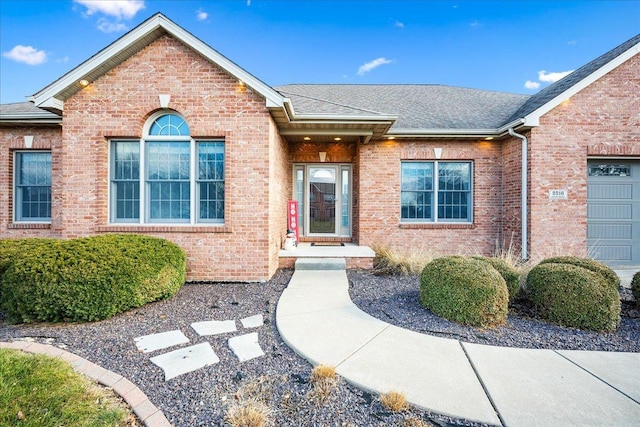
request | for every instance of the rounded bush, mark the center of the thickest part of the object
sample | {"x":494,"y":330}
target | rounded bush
{"x":574,"y":296}
{"x":590,"y":264}
{"x":90,"y":278}
{"x":464,"y":290}
{"x":635,"y":287}
{"x":508,"y":273}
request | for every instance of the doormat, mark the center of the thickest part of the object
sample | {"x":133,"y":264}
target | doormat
{"x":327,"y":244}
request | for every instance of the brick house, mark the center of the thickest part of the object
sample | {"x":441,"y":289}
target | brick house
{"x":160,"y":134}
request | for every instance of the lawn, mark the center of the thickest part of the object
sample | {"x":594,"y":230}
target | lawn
{"x":37,"y":390}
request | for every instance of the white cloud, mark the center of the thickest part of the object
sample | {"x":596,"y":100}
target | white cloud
{"x":63,"y":60}
{"x":201,"y":15}
{"x":110,"y":27}
{"x":543,"y":76}
{"x":120,"y":9}
{"x":26,"y":54}
{"x":531,"y":85}
{"x":398,"y":24}
{"x":373,"y":64}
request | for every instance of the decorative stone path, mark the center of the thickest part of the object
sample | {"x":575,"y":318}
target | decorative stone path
{"x":153,"y":342}
{"x":185,"y":360}
{"x":188,"y":359}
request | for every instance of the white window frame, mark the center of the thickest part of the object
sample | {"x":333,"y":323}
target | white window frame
{"x":435,"y":190}
{"x":17,"y":194}
{"x":144,"y":189}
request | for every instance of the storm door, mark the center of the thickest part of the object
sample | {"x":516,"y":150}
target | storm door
{"x":324,"y":198}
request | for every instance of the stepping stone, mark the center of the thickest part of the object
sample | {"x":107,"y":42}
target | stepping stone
{"x":214,"y":327}
{"x":252,"y":321}
{"x":153,"y":342}
{"x":185,"y":360}
{"x":246,"y":347}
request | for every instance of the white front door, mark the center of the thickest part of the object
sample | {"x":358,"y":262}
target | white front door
{"x":323,"y":192}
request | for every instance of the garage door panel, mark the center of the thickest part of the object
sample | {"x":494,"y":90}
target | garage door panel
{"x":609,"y":231}
{"x":611,"y":253}
{"x":609,"y":211}
{"x":609,"y":191}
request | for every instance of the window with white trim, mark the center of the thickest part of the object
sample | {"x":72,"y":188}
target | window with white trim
{"x":167,"y":177}
{"x":32,"y":186}
{"x":436,"y":191}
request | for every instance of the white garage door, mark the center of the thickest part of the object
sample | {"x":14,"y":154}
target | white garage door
{"x":613,"y":211}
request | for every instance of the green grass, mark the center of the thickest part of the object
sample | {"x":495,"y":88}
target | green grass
{"x":37,"y":390}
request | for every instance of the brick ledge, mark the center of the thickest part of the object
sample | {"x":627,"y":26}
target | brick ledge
{"x":163,"y":229}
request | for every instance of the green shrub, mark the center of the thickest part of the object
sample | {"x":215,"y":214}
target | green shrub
{"x":590,"y":264}
{"x":90,"y":278}
{"x":574,"y":296}
{"x":508,"y":273}
{"x":464,"y":290}
{"x":635,"y":287}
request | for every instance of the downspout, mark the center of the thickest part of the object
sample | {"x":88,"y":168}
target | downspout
{"x":523,"y":202}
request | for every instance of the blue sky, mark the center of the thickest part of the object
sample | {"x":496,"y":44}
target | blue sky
{"x":509,"y":46}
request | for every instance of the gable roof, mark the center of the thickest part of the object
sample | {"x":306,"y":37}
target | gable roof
{"x":551,"y":96}
{"x":53,"y":96}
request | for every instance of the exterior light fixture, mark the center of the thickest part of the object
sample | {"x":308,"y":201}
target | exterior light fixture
{"x":84,"y":82}
{"x":489,"y":138}
{"x":337,"y":138}
{"x":391,"y":138}
{"x":307,"y":138}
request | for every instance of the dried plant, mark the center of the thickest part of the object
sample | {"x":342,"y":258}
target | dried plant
{"x":394,"y":261}
{"x":394,"y":401}
{"x":248,"y":413}
{"x":323,"y":381}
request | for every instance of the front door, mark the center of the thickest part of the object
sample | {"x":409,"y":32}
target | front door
{"x":324,"y":199}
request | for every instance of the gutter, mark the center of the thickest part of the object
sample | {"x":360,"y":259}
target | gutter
{"x":524,"y":193}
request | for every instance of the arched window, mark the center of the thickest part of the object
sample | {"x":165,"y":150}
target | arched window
{"x":167,"y":176}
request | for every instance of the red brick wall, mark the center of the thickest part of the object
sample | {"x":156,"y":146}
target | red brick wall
{"x":214,"y":105}
{"x":601,"y":120}
{"x":11,"y":139}
{"x":280,"y":190}
{"x":379,"y":199}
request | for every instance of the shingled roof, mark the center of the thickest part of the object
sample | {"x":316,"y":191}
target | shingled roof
{"x":26,"y":113}
{"x":416,"y":106}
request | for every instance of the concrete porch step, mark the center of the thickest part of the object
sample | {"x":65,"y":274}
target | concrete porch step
{"x":321,"y":264}
{"x":354,"y":255}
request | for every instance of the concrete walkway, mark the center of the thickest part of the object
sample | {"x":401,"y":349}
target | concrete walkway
{"x":494,"y":385}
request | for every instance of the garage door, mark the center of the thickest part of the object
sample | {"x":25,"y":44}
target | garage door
{"x":613,"y":211}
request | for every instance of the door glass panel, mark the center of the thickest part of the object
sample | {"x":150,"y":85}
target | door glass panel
{"x":322,"y":200}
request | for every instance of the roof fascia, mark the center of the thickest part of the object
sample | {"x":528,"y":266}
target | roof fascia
{"x":533,"y":119}
{"x":454,"y":133}
{"x":46,"y":97}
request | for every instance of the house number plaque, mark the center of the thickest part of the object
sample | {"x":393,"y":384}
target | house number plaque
{"x":558,"y":195}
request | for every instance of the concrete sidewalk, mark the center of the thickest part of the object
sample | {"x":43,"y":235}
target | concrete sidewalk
{"x":493,"y":385}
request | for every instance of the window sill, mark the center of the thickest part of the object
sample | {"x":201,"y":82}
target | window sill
{"x":29,"y":225}
{"x":436,"y":226}
{"x":135,"y":228}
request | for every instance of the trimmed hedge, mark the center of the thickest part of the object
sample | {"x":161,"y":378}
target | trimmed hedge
{"x":464,"y":290}
{"x":508,"y":273}
{"x":574,"y":296}
{"x":89,"y":278}
{"x":635,"y":287}
{"x":590,"y":264}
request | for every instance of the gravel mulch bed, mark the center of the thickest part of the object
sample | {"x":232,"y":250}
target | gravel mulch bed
{"x":395,"y":300}
{"x":203,"y":397}
{"x":281,"y":378}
